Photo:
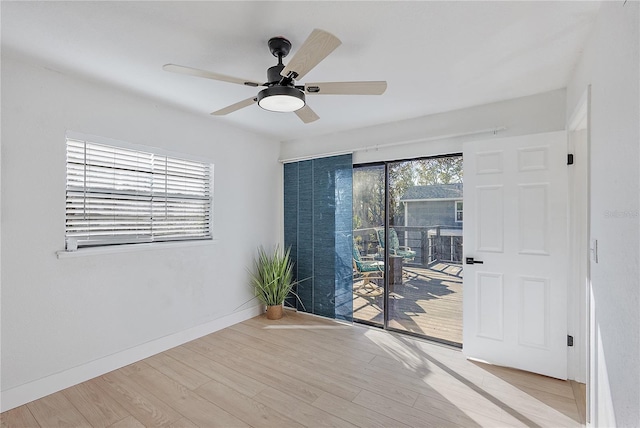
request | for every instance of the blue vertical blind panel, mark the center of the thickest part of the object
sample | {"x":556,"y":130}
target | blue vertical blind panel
{"x":304,"y":257}
{"x":324,"y":224}
{"x":320,"y":229}
{"x":291,"y":212}
{"x":344,"y":240}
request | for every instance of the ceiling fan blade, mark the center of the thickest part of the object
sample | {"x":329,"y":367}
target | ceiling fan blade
{"x":234,"y":107}
{"x":318,"y":45}
{"x":208,"y":74}
{"x":346,"y":88}
{"x":306,"y":114}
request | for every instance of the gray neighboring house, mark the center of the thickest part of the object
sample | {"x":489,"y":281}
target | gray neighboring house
{"x":437,"y":208}
{"x":433,"y":205}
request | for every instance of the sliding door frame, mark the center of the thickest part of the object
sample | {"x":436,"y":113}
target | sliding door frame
{"x":387,"y":203}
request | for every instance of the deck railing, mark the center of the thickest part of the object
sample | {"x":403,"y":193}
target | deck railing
{"x":432,"y":244}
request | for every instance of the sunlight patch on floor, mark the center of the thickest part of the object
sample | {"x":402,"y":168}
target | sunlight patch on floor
{"x":304,"y":327}
{"x":396,"y":350}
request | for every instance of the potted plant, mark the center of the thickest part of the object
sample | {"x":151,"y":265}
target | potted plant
{"x":272,"y":279}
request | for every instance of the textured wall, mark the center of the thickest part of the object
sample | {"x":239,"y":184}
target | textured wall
{"x":60,"y":314}
{"x":611,"y":65}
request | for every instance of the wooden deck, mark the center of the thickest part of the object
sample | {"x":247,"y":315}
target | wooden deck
{"x":428,"y":303}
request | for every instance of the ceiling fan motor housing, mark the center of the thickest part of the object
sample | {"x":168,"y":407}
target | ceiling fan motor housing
{"x":273,"y":74}
{"x":279,"y":46}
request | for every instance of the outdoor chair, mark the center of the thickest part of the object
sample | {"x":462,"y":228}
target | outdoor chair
{"x":369,"y":271}
{"x":395,"y":249}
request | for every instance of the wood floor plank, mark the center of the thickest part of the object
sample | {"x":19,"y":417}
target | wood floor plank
{"x":18,"y":417}
{"x":251,"y":411}
{"x":363,"y":376}
{"x":259,"y":372}
{"x":562,"y":406}
{"x":56,"y":410}
{"x":215,"y":371}
{"x":290,"y":367}
{"x":128,"y":422}
{"x":351,"y":338}
{"x":417,"y":367}
{"x":416,"y":362}
{"x":367,"y":377}
{"x":241,"y":341}
{"x":183,"y":423}
{"x":200,"y":411}
{"x":315,"y":347}
{"x":142,"y":405}
{"x":509,"y":406}
{"x":320,"y":341}
{"x":358,"y":374}
{"x":580,"y":394}
{"x":277,"y":338}
{"x":466,"y":399}
{"x":355,"y":413}
{"x":238,"y":335}
{"x":511,"y":418}
{"x":522,"y":378}
{"x":527,"y":402}
{"x":98,"y":408}
{"x":446,"y":410}
{"x":178,"y":371}
{"x":412,"y":416}
{"x":300,"y":411}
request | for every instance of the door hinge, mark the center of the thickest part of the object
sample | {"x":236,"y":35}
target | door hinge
{"x":569,"y":340}
{"x":570,"y":159}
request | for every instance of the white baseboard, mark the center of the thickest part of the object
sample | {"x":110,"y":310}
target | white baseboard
{"x":31,"y":391}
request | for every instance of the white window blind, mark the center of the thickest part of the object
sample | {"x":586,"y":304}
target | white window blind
{"x":121,"y":196}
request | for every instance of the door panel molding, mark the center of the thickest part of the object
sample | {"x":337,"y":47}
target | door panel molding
{"x":515,"y":211}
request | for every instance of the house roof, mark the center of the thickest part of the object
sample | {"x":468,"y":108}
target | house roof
{"x":434,"y":191}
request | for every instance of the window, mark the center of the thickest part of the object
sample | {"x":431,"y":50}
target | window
{"x":119,"y":195}
{"x":458,"y":211}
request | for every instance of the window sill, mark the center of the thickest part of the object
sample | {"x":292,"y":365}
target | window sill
{"x":130,"y":248}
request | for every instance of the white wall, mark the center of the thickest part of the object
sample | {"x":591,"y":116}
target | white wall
{"x":610,"y":64}
{"x":425,"y":136}
{"x":65,"y":320}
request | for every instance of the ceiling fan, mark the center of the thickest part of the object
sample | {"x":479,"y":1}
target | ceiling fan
{"x":281,"y":93}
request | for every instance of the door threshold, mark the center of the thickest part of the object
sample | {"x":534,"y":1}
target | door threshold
{"x":430,"y":339}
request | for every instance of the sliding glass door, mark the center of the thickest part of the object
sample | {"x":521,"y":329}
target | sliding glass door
{"x":407,"y":218}
{"x":369,"y":215}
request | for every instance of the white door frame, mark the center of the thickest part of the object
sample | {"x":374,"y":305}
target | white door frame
{"x":579,"y":128}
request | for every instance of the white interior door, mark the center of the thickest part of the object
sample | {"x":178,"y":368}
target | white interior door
{"x":515,"y":223}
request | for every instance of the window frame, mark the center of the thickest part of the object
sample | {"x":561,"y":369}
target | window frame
{"x":151,"y":237}
{"x":458,"y":211}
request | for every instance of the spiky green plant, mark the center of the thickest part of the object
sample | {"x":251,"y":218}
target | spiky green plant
{"x":272,"y":278}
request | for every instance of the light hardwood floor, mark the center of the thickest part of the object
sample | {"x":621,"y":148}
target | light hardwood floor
{"x":308,"y":371}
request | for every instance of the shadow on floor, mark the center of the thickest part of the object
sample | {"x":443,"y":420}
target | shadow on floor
{"x":428,"y":302}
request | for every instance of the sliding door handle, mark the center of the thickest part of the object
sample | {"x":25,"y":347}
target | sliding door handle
{"x":470,"y":261}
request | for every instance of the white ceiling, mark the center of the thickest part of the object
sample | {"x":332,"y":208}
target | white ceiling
{"x":435,"y":56}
